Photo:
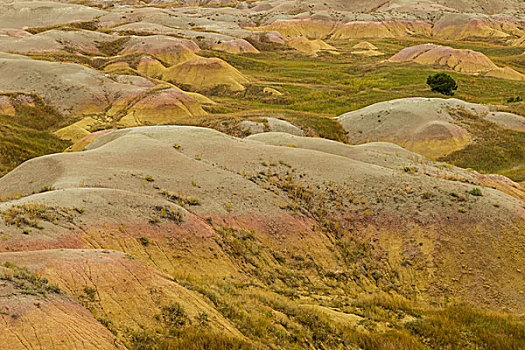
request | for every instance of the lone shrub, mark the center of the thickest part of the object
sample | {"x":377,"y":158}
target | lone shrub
{"x":173,"y":315}
{"x":476,"y":192}
{"x":144,"y":241}
{"x":442,"y":83}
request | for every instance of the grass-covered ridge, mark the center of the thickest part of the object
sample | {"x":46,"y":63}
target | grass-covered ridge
{"x":323,"y":87}
{"x":25,"y":281}
{"x":381,"y":321}
{"x":28,"y":132}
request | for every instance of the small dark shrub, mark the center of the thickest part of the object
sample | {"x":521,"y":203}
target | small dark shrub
{"x":442,"y":83}
{"x":144,"y":241}
{"x":476,"y":192}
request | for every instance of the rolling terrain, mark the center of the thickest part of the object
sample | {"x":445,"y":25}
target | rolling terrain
{"x":262,"y":175}
{"x":310,"y":221}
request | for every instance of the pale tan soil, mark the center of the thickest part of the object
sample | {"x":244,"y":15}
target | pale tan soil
{"x":270,"y":124}
{"x":22,"y":14}
{"x":81,"y":41}
{"x":168,"y":49}
{"x":423,"y":125}
{"x":110,"y":183}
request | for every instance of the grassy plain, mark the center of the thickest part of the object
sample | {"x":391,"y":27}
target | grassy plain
{"x":330,"y":85}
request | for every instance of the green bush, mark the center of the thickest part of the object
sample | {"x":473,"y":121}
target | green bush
{"x":442,"y":83}
{"x":476,"y":192}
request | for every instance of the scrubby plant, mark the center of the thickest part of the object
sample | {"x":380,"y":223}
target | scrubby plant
{"x":30,"y":214}
{"x":90,"y":293}
{"x":464,"y":327}
{"x":144,"y":241}
{"x":174,"y":315}
{"x":25,"y":281}
{"x":476,"y":192}
{"x":203,"y":319}
{"x":47,"y":189}
{"x":169,"y":213}
{"x":180,"y":198}
{"x":154,"y":219}
{"x":514,"y":99}
{"x":442,"y":83}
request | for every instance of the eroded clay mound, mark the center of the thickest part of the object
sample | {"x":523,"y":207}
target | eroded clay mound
{"x":220,"y":36}
{"x":446,"y":20}
{"x":461,"y":26}
{"x":72,"y":89}
{"x":23,"y":14}
{"x":118,"y":283}
{"x":75,"y":90}
{"x":205,"y":74}
{"x":270,"y":124}
{"x":519,"y":42}
{"x":401,"y":6}
{"x":507,"y":120}
{"x":422,"y":125}
{"x":484,"y":6}
{"x":311,"y":47}
{"x":365,"y":45}
{"x":460,"y":60}
{"x":78,"y":41}
{"x":359,"y":29}
{"x":168,"y":49}
{"x":231,"y":186}
{"x":235,"y":46}
{"x":507,"y":73}
{"x":365,"y":48}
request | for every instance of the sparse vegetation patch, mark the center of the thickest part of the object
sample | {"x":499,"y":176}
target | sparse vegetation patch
{"x":31,"y":214}
{"x":25,"y":281}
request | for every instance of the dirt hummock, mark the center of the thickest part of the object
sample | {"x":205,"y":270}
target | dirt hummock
{"x":206,"y":74}
{"x":75,"y":91}
{"x":270,"y":124}
{"x":163,"y":195}
{"x":311,"y":47}
{"x":422,"y":125}
{"x":35,"y":313}
{"x":460,"y":60}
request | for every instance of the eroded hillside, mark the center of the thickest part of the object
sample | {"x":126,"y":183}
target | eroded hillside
{"x":261,"y":175}
{"x":290,"y":222}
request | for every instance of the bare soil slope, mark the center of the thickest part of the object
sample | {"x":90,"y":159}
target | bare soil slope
{"x":37,"y":314}
{"x":460,"y":60}
{"x":281,"y":195}
{"x":424,"y":125}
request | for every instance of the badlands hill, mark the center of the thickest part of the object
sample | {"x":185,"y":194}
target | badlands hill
{"x":266,"y":174}
{"x":311,"y":226}
{"x":431,"y":127}
{"x":204,"y":74}
{"x":449,"y":129}
{"x":460,"y":60}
